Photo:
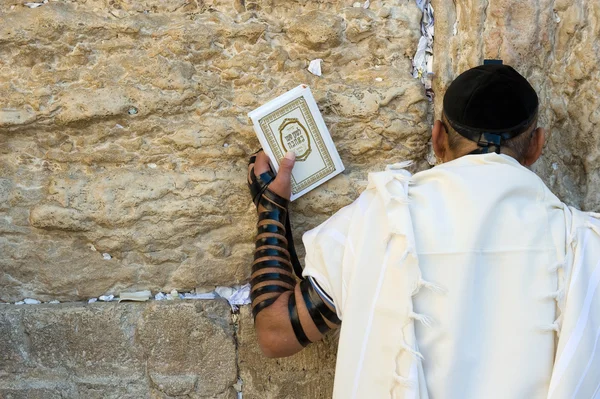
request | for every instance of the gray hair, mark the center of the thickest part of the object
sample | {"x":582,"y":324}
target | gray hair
{"x":517,"y":146}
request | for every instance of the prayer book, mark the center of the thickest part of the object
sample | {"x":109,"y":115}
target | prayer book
{"x":293,"y":122}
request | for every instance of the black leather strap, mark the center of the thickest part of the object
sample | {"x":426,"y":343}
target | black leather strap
{"x":274,"y":241}
{"x":295,"y":319}
{"x":315,"y":315}
{"x":270,"y":264}
{"x":259,"y":184}
{"x":271,"y":251}
{"x":276,"y":209}
{"x":273,"y":276}
{"x":265,"y":178}
{"x":273,"y":261}
{"x":274,"y":199}
{"x":276,"y":214}
{"x":262,"y":305}
{"x":323,"y":308}
{"x":255,"y":187}
{"x":292,"y":249}
{"x":267,"y":289}
{"x":271,"y":228}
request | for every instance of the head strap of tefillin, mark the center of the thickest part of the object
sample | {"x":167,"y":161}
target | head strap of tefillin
{"x":490,"y":140}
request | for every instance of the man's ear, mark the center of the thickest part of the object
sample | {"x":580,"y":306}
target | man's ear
{"x":535,"y":146}
{"x":439,"y":140}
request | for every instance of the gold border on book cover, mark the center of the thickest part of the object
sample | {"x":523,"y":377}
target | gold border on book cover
{"x":298,"y":103}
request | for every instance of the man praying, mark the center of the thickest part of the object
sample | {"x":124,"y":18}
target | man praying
{"x":469,"y":280}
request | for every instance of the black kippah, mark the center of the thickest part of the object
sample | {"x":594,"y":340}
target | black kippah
{"x":489,"y":104}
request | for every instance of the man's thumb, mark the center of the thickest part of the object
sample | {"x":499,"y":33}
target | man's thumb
{"x":286,"y":165}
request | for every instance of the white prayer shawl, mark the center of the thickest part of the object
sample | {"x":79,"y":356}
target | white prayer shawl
{"x":470,"y":280}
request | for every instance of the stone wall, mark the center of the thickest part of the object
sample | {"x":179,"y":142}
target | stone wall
{"x":191,"y":349}
{"x":117,"y":350}
{"x":554,"y":43}
{"x":123,"y":149}
{"x":123,"y":131}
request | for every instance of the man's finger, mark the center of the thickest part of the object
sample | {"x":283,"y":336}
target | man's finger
{"x":286,"y":165}
{"x":282,"y":185}
{"x":261,"y":165}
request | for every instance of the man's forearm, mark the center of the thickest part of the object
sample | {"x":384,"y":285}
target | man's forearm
{"x":272,"y":272}
{"x":288,"y":316}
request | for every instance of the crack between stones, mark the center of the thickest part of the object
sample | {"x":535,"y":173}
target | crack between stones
{"x":235,"y":319}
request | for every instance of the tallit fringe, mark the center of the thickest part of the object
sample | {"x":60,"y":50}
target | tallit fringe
{"x":556,"y":266}
{"x":556,"y":295}
{"x":403,"y":178}
{"x":555,"y":327}
{"x":559,"y":294}
{"x":413,"y":352}
{"x":572,"y":238}
{"x":401,"y":200}
{"x":432,"y":286}
{"x":424,"y":319}
{"x":558,"y":323}
{"x":400,"y":381}
{"x":411,"y":250}
{"x":404,"y":255}
{"x":399,"y":165}
{"x":403,"y":381}
{"x":594,"y":228}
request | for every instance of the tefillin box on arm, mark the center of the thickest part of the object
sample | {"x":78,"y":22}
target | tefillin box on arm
{"x":292,"y":122}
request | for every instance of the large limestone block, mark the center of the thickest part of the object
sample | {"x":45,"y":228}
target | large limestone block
{"x":79,"y":340}
{"x":308,"y":374}
{"x":123,"y":131}
{"x":189,"y":348}
{"x":111,"y":350}
{"x":554,"y":45}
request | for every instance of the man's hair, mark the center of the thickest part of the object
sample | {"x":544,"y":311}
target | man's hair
{"x":518,"y":144}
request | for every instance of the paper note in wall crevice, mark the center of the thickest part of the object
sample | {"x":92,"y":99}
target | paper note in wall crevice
{"x":293,"y":122}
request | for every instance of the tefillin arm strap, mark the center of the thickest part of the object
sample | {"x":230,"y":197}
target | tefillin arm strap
{"x":258,"y":186}
{"x":273,"y":269}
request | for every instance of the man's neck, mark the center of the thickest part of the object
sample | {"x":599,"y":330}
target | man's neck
{"x":504,"y":151}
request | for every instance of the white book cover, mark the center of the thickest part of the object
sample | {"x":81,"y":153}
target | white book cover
{"x":293,"y":122}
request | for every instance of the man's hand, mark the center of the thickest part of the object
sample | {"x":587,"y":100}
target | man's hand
{"x":282,"y":184}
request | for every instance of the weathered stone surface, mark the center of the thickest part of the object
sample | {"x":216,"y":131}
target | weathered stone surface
{"x":316,"y":30}
{"x":126,"y":350}
{"x":47,"y":391}
{"x":13,"y":353}
{"x":82,"y":339}
{"x":199,"y":336}
{"x":308,"y":374}
{"x":554,"y":45}
{"x":123,"y":130}
{"x":113,"y":389}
